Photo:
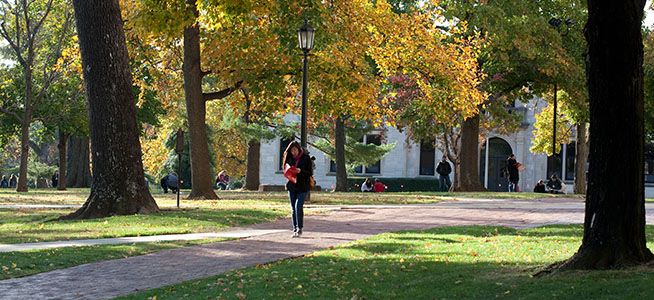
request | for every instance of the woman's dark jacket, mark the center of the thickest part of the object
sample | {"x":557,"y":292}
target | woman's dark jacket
{"x":306,"y":166}
{"x":512,"y":167}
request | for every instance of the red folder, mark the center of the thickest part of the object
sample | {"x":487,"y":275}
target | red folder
{"x":290,"y":172}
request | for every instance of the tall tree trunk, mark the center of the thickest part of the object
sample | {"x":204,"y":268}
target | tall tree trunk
{"x":254,"y":150}
{"x":467,"y":171}
{"x":63,"y":139}
{"x":339,"y":145}
{"x":24,"y":149}
{"x":78,"y":171}
{"x":614,"y":225}
{"x":201,"y":187}
{"x":581,"y":156}
{"x":252,"y":172}
{"x":118,"y":183}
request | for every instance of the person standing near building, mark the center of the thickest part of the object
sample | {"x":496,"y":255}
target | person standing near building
{"x":444,"y":169}
{"x":298,"y":170}
{"x":514,"y":175}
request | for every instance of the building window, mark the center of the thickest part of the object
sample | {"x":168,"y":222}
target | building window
{"x":376,"y":167}
{"x":371,"y":169}
{"x":427,"y":157}
{"x":649,"y":163}
{"x":283,"y":143}
{"x":570,"y":152}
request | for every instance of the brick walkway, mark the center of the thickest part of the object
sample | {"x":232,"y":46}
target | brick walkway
{"x":108,"y":279}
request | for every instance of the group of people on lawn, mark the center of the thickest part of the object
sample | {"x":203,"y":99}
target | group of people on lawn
{"x":12,"y":181}
{"x":171,"y":182}
{"x":8,"y":183}
{"x":512,"y":171}
{"x":443,"y":169}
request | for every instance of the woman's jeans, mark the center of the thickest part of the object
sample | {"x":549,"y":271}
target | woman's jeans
{"x":512,"y":186}
{"x":445,"y":183}
{"x":297,"y":204}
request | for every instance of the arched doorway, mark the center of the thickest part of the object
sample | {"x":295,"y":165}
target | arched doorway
{"x":498,"y":152}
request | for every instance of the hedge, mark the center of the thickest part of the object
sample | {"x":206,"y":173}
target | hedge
{"x":398,"y":184}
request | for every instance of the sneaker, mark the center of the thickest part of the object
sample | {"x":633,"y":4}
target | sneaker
{"x":299,"y":232}
{"x":295,"y":235}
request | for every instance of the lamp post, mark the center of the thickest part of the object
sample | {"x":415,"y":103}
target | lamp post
{"x":179,"y":149}
{"x":305,"y":38}
{"x":556,"y":23}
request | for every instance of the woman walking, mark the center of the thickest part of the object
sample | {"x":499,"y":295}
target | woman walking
{"x":298,"y":170}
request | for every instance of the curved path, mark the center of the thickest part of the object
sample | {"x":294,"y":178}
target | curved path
{"x":108,"y":279}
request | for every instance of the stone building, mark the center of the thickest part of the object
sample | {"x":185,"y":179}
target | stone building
{"x":413,"y":160}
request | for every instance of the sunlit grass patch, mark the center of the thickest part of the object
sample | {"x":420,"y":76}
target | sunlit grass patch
{"x":23,"y":226}
{"x":443,"y":263}
{"x":78,"y":196}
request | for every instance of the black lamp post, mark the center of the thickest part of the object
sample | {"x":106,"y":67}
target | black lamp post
{"x":305,"y":39}
{"x":556,"y":23}
{"x":179,"y":149}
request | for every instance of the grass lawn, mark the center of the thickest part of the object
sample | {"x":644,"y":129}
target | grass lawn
{"x":78,"y":196}
{"x":24,"y":263}
{"x":38,"y":225}
{"x":29,"y":225}
{"x":443,"y":263}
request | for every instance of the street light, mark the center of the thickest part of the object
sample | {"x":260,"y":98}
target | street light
{"x":305,"y":38}
{"x":556,"y":23}
{"x":179,"y":149}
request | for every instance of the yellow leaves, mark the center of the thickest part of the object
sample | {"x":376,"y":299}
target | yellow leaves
{"x":155,"y":152}
{"x":444,"y":66}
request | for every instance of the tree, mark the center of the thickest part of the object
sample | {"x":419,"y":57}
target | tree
{"x":34,"y":31}
{"x":524,"y":57}
{"x":614,"y":223}
{"x":66,"y":110}
{"x":436,"y":93}
{"x":170,"y":21}
{"x":118,"y":181}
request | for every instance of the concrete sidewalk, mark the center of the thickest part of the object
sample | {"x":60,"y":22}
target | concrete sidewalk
{"x":108,"y":279}
{"x":233,"y":233}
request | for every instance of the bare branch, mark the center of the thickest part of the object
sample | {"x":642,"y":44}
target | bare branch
{"x":248,"y":103}
{"x":39,"y":23}
{"x":14,"y":44}
{"x":13,"y":113}
{"x":28,"y":30}
{"x":54,"y":56}
{"x":221,"y":94}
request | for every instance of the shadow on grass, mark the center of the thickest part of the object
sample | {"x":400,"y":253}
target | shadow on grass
{"x":409,"y":265}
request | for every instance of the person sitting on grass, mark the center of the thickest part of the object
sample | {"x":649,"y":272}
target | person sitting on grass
{"x":540,"y":187}
{"x":222,"y":180}
{"x":379,"y":187}
{"x":367,"y":185}
{"x":554,"y":185}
